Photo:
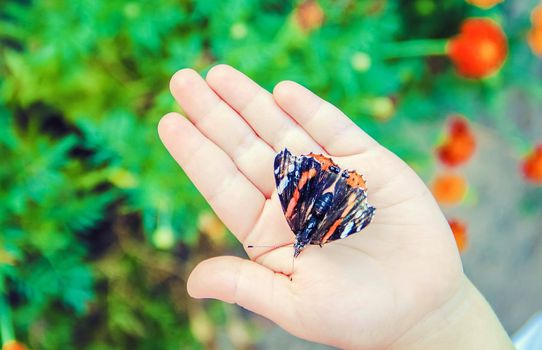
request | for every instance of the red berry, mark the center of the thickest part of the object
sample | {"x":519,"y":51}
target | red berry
{"x":480,"y":48}
{"x":532,"y":166}
{"x":459,"y":229}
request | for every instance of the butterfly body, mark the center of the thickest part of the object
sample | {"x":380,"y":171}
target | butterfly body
{"x":321,"y":207}
{"x":320,"y":202}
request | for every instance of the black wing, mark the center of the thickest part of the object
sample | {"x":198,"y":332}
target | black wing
{"x":300,"y":180}
{"x":294,"y":176}
{"x":349,"y":211}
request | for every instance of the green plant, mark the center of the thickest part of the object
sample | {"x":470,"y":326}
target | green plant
{"x":97,"y":223}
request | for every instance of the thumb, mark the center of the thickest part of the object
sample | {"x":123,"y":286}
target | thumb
{"x":246,"y":283}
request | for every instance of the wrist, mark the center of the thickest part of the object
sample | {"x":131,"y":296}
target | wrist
{"x":466,"y":321}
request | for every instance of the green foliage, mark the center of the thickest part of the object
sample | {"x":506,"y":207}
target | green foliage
{"x":86,"y":185}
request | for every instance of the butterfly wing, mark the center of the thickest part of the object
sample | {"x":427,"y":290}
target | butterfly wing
{"x":300,"y":180}
{"x":296,"y":178}
{"x":349,"y":211}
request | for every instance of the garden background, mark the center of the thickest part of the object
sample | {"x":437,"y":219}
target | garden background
{"x":99,"y":227}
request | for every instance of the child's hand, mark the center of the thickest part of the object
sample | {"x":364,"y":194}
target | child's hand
{"x":396,"y":284}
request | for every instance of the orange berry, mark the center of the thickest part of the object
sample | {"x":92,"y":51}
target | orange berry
{"x":480,"y":48}
{"x":459,"y":229}
{"x":536,"y":16}
{"x":14,"y":345}
{"x":532,"y":166}
{"x":459,"y":145}
{"x":485,"y":4}
{"x":534,"y":39}
{"x":449,"y":188}
{"x":309,"y":15}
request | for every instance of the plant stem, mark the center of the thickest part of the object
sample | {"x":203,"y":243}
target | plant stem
{"x":414,"y":48}
{"x":6,"y":325}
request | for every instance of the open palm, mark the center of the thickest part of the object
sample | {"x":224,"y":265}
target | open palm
{"x":366,"y":291}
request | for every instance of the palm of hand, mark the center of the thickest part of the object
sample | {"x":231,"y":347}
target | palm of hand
{"x":365,"y":291}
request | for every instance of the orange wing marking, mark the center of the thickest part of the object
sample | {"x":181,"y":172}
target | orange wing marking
{"x":356,"y":180}
{"x":295,"y":197}
{"x":333,"y":228}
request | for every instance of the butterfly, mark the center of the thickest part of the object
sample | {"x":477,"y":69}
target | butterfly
{"x":321,"y":202}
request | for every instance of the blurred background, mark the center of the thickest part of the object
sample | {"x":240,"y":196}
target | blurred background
{"x":99,"y":228}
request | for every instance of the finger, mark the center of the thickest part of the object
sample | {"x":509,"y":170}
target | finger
{"x":246,"y":283}
{"x":222,"y":125}
{"x":257,"y":107}
{"x":232,"y":196}
{"x":270,"y":232}
{"x":280,"y":260}
{"x":325,"y":123}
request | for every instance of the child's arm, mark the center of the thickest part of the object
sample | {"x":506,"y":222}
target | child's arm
{"x":398,"y":284}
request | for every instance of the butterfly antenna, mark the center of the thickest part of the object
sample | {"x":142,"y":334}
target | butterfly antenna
{"x":275,"y":246}
{"x":269,"y":246}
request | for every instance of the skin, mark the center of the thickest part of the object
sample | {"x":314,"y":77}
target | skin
{"x":398,"y":284}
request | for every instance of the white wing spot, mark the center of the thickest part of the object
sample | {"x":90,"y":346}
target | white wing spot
{"x":282,"y":185}
{"x":347,"y":229}
{"x":291,"y":167}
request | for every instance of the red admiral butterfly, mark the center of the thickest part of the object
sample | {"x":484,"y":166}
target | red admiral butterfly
{"x":321,"y":203}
